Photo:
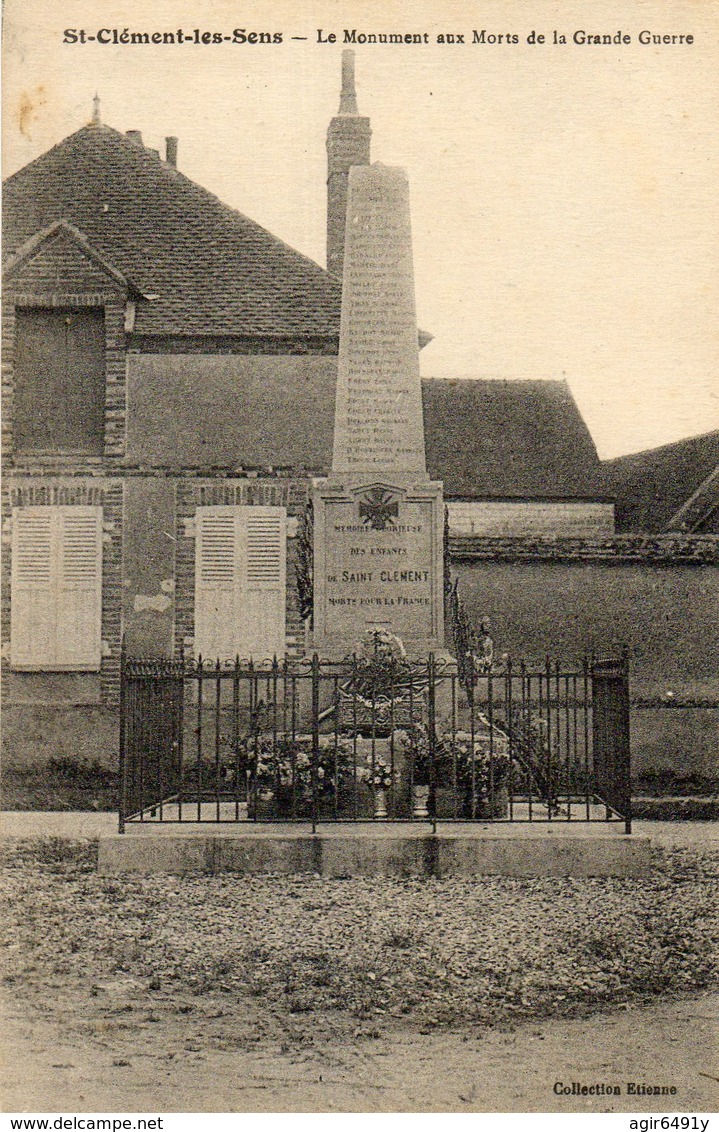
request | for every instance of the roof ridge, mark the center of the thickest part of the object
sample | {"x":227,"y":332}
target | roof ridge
{"x":714,"y":432}
{"x":95,"y":127}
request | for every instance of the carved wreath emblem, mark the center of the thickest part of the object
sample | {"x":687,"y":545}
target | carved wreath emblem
{"x":378,"y":509}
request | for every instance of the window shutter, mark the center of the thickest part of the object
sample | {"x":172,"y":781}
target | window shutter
{"x":56,"y":588}
{"x":240,"y":582}
{"x":60,"y":380}
{"x":264,"y":597}
{"x":32,"y":594}
{"x":79,"y":583}
{"x":215,"y":581}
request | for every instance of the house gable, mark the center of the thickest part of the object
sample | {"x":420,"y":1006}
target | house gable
{"x":58,"y":261}
{"x":58,"y":275}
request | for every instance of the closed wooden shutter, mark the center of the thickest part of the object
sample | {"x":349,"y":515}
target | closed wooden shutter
{"x":32,"y":593}
{"x":56,"y":588}
{"x":60,"y":380}
{"x":216,"y":568}
{"x":79,"y":569}
{"x":264,"y":597}
{"x":240,"y":582}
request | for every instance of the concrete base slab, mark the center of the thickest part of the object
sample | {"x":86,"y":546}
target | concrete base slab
{"x":393,"y":851}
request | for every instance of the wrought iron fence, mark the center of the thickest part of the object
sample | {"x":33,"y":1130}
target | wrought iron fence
{"x":317,"y":741}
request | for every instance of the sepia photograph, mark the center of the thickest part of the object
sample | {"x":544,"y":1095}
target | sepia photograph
{"x":360,"y":560}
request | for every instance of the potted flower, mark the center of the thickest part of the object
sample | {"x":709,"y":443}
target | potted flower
{"x":282,"y":782}
{"x":381,"y":780}
{"x":478,"y":770}
{"x":413,"y":742}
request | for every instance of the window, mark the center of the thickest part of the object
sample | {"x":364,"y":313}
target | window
{"x":56,"y":589}
{"x":60,"y":381}
{"x":240,"y":582}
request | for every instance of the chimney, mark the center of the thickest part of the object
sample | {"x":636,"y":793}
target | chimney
{"x":171,"y":151}
{"x":134,"y":136}
{"x":348,"y":144}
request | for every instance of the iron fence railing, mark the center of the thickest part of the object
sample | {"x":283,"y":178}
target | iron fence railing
{"x":316,"y":741}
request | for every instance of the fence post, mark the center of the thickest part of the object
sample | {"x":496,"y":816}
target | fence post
{"x":180,"y":724}
{"x":626,"y":763}
{"x":122,"y":784}
{"x":315,"y":734}
{"x":509,"y":713}
{"x":431,"y":713}
{"x":610,"y":734}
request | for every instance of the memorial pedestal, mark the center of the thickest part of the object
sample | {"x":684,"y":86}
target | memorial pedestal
{"x":378,"y":560}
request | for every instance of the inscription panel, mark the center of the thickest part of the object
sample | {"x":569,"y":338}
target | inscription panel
{"x":378,"y":417}
{"x":379,"y":577}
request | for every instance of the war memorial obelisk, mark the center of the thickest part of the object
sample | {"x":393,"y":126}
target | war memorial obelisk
{"x":378,"y":519}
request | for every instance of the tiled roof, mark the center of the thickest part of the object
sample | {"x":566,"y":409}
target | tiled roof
{"x":509,"y":439}
{"x":213,"y":271}
{"x":651,"y":486}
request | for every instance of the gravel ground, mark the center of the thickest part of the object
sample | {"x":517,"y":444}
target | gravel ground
{"x":362,"y":954}
{"x":305,"y":994}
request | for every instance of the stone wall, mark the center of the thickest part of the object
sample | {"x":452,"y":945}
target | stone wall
{"x":670,"y":549}
{"x":519,"y":518}
{"x":660,"y":596}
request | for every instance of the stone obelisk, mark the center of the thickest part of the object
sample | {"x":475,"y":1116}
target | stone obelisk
{"x":378,"y":519}
{"x":378,"y":413}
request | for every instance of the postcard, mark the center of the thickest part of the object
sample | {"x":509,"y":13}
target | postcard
{"x":361,"y":506}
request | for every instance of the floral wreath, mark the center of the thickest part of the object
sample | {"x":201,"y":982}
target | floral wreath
{"x":378,"y":645}
{"x":378,"y":664}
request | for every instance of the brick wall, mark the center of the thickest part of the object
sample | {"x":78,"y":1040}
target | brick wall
{"x":348,"y":143}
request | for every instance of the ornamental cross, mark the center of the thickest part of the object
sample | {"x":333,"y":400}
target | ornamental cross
{"x":379,"y":509}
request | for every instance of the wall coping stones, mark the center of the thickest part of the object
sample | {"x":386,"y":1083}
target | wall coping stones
{"x":647,"y":550}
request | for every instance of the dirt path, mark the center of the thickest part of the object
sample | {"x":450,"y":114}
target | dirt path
{"x":192,"y":1063}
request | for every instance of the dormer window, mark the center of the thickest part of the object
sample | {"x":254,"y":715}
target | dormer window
{"x":60,"y":381}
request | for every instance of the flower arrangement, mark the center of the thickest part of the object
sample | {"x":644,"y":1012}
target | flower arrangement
{"x":381,"y":775}
{"x":478,"y":766}
{"x":281,"y":762}
{"x":413,"y":740}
